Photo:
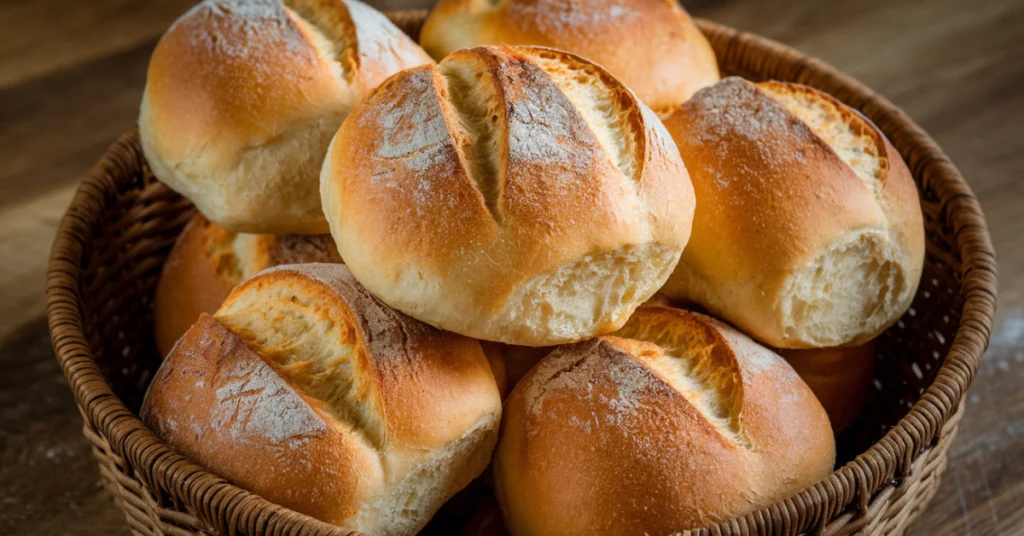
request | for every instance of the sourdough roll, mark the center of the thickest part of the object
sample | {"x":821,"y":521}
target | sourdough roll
{"x":243,"y":96}
{"x":208,"y":261}
{"x":652,"y":46}
{"x":808,"y":230}
{"x":673,"y":422}
{"x":310,"y":392}
{"x":839,"y":377}
{"x":519,"y":195}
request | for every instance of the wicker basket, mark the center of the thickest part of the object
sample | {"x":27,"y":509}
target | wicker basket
{"x":122,"y":224}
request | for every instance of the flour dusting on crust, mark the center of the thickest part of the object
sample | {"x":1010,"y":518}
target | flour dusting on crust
{"x":585,"y":19}
{"x":412,"y":129}
{"x":245,"y":32}
{"x":382,"y":44}
{"x":253,"y":402}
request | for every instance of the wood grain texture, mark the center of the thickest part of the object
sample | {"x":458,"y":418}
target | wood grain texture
{"x":70,"y":79}
{"x":48,"y":481}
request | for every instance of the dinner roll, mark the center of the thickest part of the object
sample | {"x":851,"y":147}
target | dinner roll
{"x":808,"y":229}
{"x":208,"y":261}
{"x":242,"y":98}
{"x":519,"y":195}
{"x":308,"y":391}
{"x":671,"y":423}
{"x":652,"y":46}
{"x":839,"y":377}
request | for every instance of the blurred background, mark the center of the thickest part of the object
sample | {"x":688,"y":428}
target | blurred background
{"x":71,"y":75}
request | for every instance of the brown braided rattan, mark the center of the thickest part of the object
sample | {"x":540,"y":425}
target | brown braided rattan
{"x":121,"y":224}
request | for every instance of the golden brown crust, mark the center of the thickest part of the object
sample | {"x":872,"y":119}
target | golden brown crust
{"x":242,"y":98}
{"x":217,"y":402}
{"x":312,"y":393}
{"x":466,"y":191}
{"x":782,"y":217}
{"x":776,"y":200}
{"x":620,"y":435}
{"x":899,"y":193}
{"x":839,"y":377}
{"x":652,"y":46}
{"x":207,"y":261}
{"x":192,"y":282}
{"x":233,"y":78}
{"x":396,"y":346}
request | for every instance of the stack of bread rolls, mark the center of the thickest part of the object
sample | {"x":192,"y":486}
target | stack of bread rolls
{"x":565,"y":261}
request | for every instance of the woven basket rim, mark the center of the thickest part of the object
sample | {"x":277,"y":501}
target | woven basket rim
{"x":858,"y":480}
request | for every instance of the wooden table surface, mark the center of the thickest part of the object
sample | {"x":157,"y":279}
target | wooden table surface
{"x":71,"y":74}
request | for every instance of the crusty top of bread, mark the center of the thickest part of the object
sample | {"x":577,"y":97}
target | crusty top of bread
{"x":291,"y":313}
{"x":242,"y":97}
{"x":808,"y":229}
{"x":466,"y":193}
{"x":309,"y":391}
{"x":244,"y":71}
{"x":672,"y":422}
{"x":652,"y":46}
{"x":240,"y":404}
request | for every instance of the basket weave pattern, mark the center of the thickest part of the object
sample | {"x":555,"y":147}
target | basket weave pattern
{"x":122,"y":223}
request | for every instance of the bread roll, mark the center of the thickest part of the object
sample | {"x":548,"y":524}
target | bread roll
{"x":652,"y":46}
{"x":839,"y":377}
{"x":518,"y":195}
{"x":208,"y":261}
{"x":306,"y":390}
{"x":808,"y":230}
{"x":671,"y":423}
{"x":242,"y":98}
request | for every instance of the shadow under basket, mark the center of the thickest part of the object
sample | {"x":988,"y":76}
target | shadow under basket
{"x":122,"y":223}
